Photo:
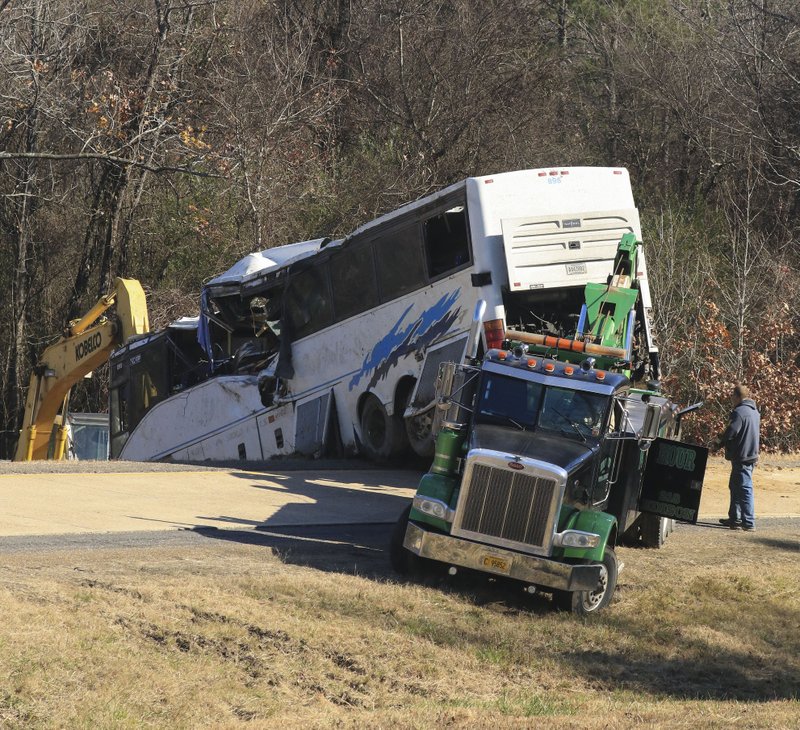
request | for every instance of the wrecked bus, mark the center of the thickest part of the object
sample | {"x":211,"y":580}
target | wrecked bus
{"x":333,"y":346}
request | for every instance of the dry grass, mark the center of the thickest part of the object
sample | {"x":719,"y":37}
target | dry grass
{"x":705,"y":633}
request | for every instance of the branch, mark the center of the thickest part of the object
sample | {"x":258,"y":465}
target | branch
{"x":121,"y":161}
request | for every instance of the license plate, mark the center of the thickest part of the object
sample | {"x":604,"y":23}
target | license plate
{"x":576,"y":268}
{"x":496,"y":564}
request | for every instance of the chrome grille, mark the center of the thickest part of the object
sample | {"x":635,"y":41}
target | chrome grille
{"x":509,"y":505}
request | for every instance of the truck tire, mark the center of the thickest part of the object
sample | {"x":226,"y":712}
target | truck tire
{"x":655,"y":530}
{"x":588,"y":603}
{"x":382,"y":436}
{"x":403,"y":561}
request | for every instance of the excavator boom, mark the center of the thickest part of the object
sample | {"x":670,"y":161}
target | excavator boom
{"x":86,"y":344}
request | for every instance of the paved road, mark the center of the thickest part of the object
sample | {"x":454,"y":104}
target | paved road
{"x":125,"y":502}
{"x":303,"y":508}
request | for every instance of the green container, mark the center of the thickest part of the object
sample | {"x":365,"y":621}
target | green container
{"x":449,"y":447}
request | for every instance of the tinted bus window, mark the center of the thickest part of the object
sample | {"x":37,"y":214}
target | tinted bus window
{"x":149,"y":381}
{"x":446,"y":243}
{"x":399,"y":261}
{"x":355,"y":288}
{"x":308,"y":302}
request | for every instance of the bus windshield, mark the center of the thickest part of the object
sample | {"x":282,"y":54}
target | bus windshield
{"x":527,"y":405}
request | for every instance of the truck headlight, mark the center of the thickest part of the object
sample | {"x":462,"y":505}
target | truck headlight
{"x":433,"y":507}
{"x":576,"y":539}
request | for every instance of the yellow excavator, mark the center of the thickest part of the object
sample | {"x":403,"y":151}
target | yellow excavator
{"x":86,"y":344}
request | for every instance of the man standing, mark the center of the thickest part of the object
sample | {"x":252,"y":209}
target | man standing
{"x":741,"y":442}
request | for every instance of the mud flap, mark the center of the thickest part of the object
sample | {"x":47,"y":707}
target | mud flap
{"x":673,"y":480}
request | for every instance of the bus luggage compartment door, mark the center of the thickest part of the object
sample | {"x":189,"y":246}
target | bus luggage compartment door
{"x":311,"y":428}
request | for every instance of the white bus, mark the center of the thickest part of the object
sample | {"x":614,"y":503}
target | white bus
{"x":334,"y":346}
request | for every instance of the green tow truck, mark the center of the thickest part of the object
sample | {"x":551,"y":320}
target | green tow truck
{"x":547,"y":458}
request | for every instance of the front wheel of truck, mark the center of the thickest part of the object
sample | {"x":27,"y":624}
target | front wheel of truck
{"x":586,"y":603}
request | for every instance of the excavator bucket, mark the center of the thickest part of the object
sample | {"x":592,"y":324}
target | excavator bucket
{"x":131,"y":308}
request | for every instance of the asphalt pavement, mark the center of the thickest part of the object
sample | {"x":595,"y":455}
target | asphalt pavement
{"x":78,"y":502}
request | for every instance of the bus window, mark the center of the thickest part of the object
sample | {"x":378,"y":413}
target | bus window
{"x":308,"y":303}
{"x":119,"y":411}
{"x":446,"y":244}
{"x":149,"y":382}
{"x":398,"y":257}
{"x":353,"y":280}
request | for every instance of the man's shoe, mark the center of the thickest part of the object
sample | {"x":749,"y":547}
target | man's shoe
{"x":730,"y":523}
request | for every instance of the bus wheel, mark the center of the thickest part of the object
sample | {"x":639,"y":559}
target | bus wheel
{"x":382,"y":435}
{"x":418,"y":430}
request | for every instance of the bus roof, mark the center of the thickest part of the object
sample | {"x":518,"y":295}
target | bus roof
{"x":270,"y":259}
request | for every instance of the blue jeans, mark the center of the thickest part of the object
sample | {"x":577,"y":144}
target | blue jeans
{"x":742,"y":507}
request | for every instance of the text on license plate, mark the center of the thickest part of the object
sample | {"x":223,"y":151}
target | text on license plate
{"x":496,"y":564}
{"x":576,"y":268}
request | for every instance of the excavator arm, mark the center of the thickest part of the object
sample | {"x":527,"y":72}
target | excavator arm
{"x":86,"y":344}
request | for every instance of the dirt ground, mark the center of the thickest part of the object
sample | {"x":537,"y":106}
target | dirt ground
{"x":776,"y":483}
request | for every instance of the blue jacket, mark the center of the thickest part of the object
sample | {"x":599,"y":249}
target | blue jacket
{"x":741,"y":438}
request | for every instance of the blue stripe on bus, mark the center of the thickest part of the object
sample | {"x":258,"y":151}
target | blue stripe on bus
{"x":399,"y":341}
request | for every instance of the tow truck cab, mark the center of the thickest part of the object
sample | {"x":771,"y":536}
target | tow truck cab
{"x":537,"y":474}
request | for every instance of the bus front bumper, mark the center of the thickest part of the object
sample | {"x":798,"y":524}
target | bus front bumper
{"x":498,"y":561}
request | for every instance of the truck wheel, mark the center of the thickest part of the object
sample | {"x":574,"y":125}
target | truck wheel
{"x":420,"y":438}
{"x":383,"y":436}
{"x":586,"y":603}
{"x":403,"y":561}
{"x":654,"y":530}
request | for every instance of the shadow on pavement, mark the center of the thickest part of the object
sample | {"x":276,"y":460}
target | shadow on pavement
{"x":325,"y":499}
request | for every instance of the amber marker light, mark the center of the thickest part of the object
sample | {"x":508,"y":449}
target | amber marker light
{"x":549,"y":367}
{"x":532,"y":363}
{"x":568,"y":370}
{"x":600,"y":375}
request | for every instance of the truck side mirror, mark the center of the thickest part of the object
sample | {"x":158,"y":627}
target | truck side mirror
{"x":652,"y":422}
{"x":455,"y":390}
{"x":445,"y":385}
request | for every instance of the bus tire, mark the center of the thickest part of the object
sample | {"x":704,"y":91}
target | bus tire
{"x":382,"y":436}
{"x":420,"y":436}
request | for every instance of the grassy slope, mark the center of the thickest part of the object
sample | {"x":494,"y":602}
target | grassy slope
{"x":704,"y":633}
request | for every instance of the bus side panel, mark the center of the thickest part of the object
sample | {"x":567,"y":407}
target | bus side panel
{"x":198,"y":414}
{"x":372,"y":352}
{"x":237,"y":443}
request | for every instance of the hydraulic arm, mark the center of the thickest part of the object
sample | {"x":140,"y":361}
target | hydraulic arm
{"x":606,"y":325}
{"x":86,"y":344}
